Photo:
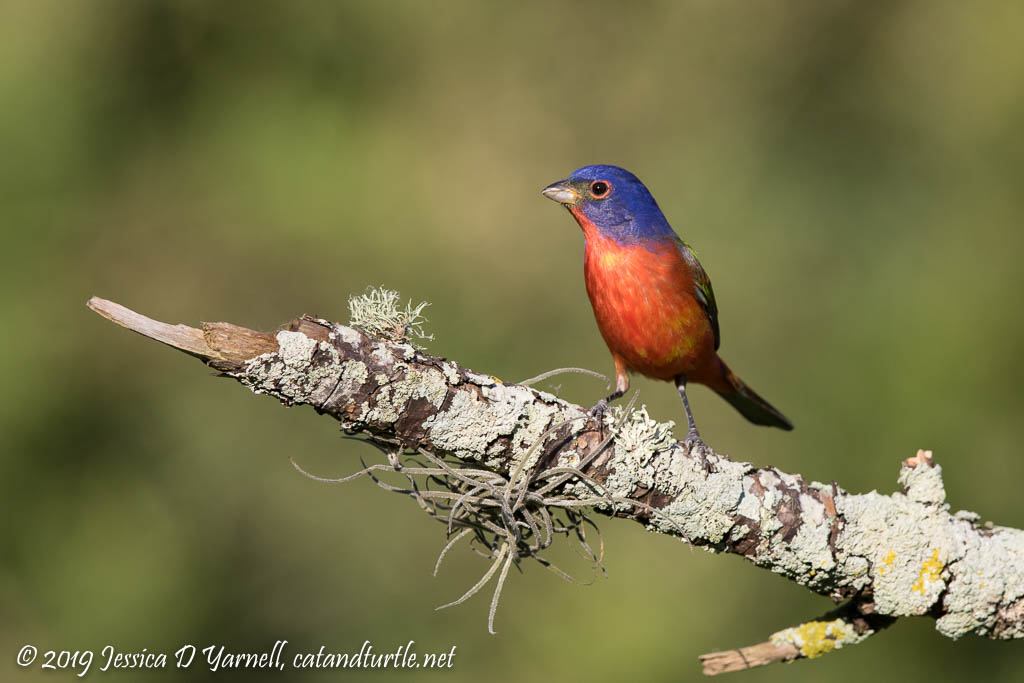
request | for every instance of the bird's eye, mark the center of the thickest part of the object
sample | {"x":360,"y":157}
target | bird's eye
{"x":599,"y":189}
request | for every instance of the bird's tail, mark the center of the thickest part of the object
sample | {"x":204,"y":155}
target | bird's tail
{"x":747,"y":402}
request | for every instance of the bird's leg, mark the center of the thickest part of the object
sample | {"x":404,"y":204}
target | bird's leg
{"x":601,"y":407}
{"x":692,"y":435}
{"x":621,"y":387}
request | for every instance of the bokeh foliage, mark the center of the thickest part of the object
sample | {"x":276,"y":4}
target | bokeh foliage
{"x":849,"y":172}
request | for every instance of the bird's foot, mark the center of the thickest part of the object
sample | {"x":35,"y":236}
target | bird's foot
{"x":694,"y":442}
{"x":699,"y":449}
{"x":599,"y":410}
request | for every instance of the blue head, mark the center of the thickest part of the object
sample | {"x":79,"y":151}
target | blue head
{"x":614,"y":201}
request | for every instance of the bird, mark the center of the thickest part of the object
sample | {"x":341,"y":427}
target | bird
{"x":651,"y":297}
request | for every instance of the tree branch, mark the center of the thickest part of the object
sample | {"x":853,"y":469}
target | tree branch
{"x":850,"y":624}
{"x":890,"y":556}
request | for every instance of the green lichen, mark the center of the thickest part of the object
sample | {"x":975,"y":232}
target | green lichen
{"x":639,"y":433}
{"x":379,"y":313}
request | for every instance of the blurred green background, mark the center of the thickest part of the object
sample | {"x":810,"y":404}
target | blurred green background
{"x":849,"y":172}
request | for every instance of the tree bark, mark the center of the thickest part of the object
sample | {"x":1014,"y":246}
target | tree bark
{"x":884,"y":556}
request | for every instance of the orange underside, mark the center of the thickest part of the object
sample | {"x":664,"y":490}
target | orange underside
{"x":646,"y":311}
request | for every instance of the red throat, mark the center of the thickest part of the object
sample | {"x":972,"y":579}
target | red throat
{"x":590,"y":231}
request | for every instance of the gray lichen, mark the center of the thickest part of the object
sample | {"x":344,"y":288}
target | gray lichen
{"x":475,"y":421}
{"x":469,"y":425}
{"x":639,"y":435}
{"x":907,"y":547}
{"x":704,"y":501}
{"x":353,"y":375}
{"x":303,"y":370}
{"x":394,"y":396}
{"x":986,"y":573}
{"x":923,"y":484}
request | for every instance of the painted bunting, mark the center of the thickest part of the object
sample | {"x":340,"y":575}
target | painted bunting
{"x":652,"y":299}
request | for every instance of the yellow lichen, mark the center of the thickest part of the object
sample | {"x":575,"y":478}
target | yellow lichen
{"x":817,"y":638}
{"x":887,"y":562}
{"x":931,"y":570}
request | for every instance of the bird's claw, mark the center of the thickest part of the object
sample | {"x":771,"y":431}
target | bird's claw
{"x":693,"y":441}
{"x":599,"y":410}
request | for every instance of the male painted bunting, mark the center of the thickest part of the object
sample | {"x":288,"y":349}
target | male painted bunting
{"x":652,"y":299}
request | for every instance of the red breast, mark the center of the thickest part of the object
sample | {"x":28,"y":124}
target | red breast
{"x":643,"y":300}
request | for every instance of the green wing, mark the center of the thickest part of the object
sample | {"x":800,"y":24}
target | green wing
{"x":702,"y":289}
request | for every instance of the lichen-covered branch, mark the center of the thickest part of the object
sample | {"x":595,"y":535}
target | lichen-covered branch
{"x":852,"y":623}
{"x":886,"y":556}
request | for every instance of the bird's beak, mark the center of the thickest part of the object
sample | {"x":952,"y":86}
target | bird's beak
{"x":561,"y":192}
